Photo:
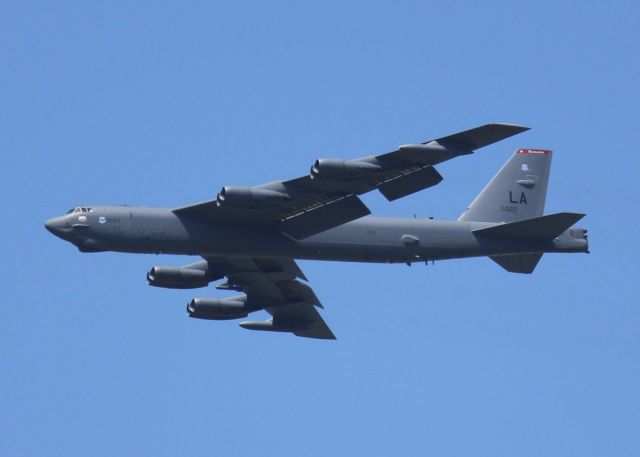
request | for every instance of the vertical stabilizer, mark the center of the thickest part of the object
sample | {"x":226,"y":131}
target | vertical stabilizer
{"x":517,"y":192}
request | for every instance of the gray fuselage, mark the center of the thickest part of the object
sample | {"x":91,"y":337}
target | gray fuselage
{"x":368,"y":239}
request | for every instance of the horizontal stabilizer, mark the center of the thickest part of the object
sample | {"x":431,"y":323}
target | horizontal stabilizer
{"x":518,"y":263}
{"x":540,"y":228}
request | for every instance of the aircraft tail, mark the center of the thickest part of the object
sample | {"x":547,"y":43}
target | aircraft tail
{"x":537,"y":228}
{"x":517,"y":192}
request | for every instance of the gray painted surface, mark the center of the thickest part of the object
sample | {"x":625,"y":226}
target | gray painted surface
{"x":518,"y":191}
{"x":251,"y":235}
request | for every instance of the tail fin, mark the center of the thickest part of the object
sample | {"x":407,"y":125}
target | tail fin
{"x":518,"y":191}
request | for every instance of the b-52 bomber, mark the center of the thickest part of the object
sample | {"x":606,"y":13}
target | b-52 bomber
{"x":251,"y":235}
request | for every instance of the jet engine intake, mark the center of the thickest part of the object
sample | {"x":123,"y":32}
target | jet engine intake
{"x":218,"y":308}
{"x":338,"y":169}
{"x":178,"y":278}
{"x":250,"y":197}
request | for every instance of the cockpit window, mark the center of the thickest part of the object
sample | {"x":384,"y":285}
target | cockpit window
{"x":80,"y":209}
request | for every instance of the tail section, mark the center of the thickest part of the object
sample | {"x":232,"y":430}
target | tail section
{"x":514,"y":200}
{"x":537,"y":228}
{"x":517,"y":192}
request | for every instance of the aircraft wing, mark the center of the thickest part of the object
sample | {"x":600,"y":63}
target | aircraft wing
{"x":273,"y":285}
{"x":328,"y":196}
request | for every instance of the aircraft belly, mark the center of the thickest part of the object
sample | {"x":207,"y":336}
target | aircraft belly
{"x":391,"y":240}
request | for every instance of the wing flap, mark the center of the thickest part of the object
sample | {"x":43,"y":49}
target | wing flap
{"x":410,"y":183}
{"x":325,"y":217}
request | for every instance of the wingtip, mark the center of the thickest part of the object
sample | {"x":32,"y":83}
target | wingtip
{"x":518,"y":127}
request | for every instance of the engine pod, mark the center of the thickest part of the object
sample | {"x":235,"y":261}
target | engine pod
{"x":250,"y":197}
{"x":339,"y":169}
{"x":218,"y":308}
{"x":178,"y":278}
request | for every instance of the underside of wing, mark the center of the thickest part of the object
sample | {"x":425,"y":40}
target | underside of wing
{"x":301,"y":319}
{"x":267,"y":284}
{"x":328,"y":196}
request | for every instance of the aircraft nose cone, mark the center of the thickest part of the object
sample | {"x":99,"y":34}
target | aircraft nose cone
{"x":49,"y":225}
{"x":54,"y":226}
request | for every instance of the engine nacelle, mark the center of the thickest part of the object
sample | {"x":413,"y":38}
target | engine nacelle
{"x":339,"y":169}
{"x":218,"y":308}
{"x":250,"y":197}
{"x":178,"y":278}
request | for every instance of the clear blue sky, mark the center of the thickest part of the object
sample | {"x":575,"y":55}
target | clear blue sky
{"x":163,"y":103}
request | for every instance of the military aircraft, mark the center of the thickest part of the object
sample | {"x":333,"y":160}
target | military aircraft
{"x":251,"y":235}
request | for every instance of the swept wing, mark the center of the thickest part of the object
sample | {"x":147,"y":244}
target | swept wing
{"x":328,"y":196}
{"x":273,"y":285}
